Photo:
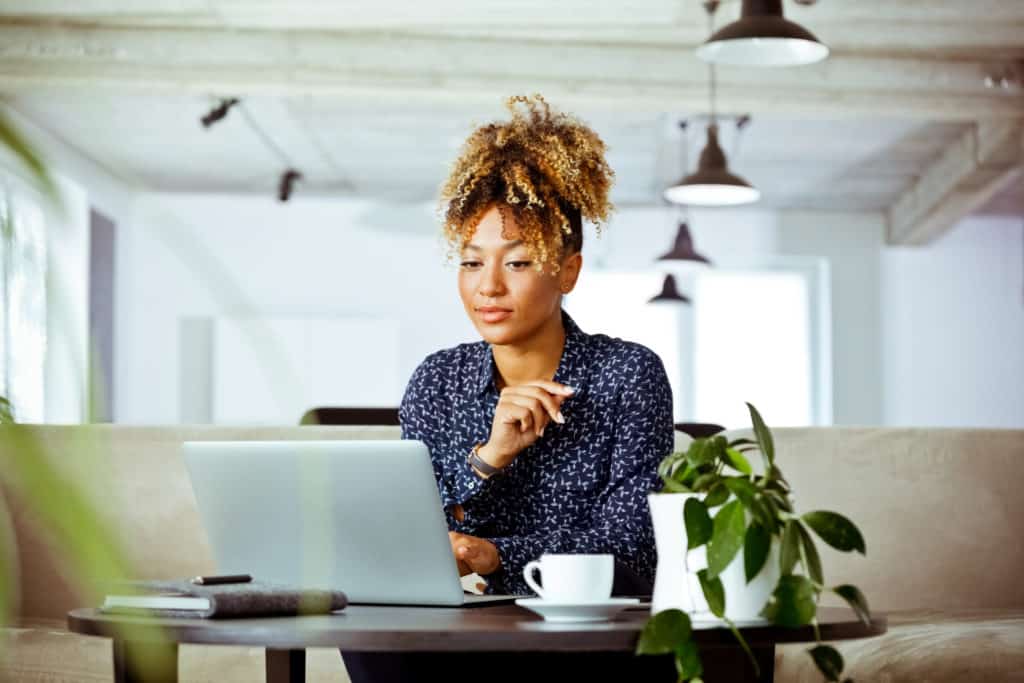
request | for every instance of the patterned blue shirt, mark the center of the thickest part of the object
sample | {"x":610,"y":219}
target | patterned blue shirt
{"x":582,"y":487}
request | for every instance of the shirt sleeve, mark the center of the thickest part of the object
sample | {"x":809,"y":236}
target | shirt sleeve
{"x":621,"y":522}
{"x":425,"y":414}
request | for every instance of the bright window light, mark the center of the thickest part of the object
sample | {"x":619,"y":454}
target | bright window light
{"x":615,"y":303}
{"x":752,"y":343}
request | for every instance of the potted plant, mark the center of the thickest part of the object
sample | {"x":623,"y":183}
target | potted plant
{"x":748,"y":545}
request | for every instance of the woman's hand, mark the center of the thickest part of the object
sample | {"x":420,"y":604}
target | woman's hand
{"x":474,"y":554}
{"x":522,"y":413}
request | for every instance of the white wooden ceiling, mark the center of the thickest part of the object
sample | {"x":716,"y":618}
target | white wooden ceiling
{"x":374,"y":98}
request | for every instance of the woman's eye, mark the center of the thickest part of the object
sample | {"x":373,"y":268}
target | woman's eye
{"x":519,"y":265}
{"x":469,"y":264}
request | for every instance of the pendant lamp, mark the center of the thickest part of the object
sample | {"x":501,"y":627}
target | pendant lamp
{"x":712,"y":184}
{"x":669,"y":293}
{"x":682,"y":250}
{"x":762,"y":36}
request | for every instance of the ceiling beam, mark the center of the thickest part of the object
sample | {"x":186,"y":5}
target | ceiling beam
{"x":982,"y":162}
{"x":454,"y":69}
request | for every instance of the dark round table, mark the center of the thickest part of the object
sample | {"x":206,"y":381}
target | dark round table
{"x":492,"y":629}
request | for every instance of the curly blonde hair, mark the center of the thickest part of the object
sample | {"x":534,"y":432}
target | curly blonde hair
{"x":547,"y":168}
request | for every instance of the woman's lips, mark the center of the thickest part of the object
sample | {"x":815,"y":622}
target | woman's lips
{"x":493,"y":315}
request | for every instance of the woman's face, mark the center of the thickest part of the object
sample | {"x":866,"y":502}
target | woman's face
{"x":504,"y":295}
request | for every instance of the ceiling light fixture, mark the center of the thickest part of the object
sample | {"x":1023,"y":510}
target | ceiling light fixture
{"x":284,"y":188}
{"x":669,"y":294}
{"x":762,"y":36}
{"x":219,"y":112}
{"x":683,"y":250}
{"x":712,"y":184}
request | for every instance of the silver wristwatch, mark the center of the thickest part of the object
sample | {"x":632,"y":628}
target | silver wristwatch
{"x":478,"y":463}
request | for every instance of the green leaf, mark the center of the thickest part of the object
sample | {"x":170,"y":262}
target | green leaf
{"x":705,"y":481}
{"x":812,"y":561}
{"x":738,"y":462}
{"x":714,"y":593}
{"x":743,"y":489}
{"x":698,"y":523}
{"x":791,"y":603}
{"x":727,"y":537}
{"x":829,"y":661}
{"x":836,"y":530}
{"x":688,"y":664}
{"x":764,"y":436}
{"x":673,"y":486}
{"x":780,"y":498}
{"x":755,"y":550}
{"x":717,"y":495}
{"x":856,"y":600}
{"x":663,"y":632}
{"x":773,"y":513}
{"x":789,"y":552}
{"x":12,"y":139}
{"x":698,"y":453}
{"x":742,"y":442}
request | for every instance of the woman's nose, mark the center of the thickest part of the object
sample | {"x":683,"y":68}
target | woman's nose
{"x":491,"y":282}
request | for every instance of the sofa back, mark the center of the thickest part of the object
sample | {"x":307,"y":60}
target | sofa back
{"x":136,"y":479}
{"x":941,"y":510}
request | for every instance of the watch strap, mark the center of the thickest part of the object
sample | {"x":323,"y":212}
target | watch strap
{"x":479,"y":464}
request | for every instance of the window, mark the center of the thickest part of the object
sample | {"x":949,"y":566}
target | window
{"x":757,"y":334}
{"x":615,"y":303}
{"x":22,"y":306}
{"x":754,"y":341}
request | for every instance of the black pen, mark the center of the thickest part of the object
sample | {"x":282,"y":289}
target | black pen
{"x":226,"y":578}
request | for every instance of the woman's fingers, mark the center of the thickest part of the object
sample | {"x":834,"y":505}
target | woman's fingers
{"x":551,"y":387}
{"x":511,"y":412}
{"x":551,"y":404}
{"x":535,"y":407}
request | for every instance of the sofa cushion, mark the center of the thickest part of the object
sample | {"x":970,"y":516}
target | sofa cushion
{"x":924,"y":645}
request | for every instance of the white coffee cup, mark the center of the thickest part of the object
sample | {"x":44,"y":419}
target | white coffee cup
{"x":572,"y":578}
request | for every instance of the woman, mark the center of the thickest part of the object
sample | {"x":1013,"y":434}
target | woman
{"x":544,"y":439}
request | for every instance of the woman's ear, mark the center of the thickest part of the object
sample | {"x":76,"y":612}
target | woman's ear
{"x":570,"y":272}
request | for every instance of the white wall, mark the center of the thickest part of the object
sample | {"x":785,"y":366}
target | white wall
{"x":188,"y":257}
{"x":207,"y":256}
{"x":920,"y":336}
{"x":953,"y":321}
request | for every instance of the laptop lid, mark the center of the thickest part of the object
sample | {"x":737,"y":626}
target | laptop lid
{"x":363,"y":517}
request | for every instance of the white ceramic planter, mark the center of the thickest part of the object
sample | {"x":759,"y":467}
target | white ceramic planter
{"x":676,"y":585}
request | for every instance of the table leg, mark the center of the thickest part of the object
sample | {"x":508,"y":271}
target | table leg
{"x":286,"y":666}
{"x":139,"y":662}
{"x":725,"y":665}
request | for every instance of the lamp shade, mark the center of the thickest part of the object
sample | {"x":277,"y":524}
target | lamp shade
{"x":712,"y":184}
{"x":762,"y":36}
{"x":682,"y":250}
{"x":669,"y":293}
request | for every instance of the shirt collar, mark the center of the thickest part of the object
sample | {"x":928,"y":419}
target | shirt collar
{"x":569,"y":367}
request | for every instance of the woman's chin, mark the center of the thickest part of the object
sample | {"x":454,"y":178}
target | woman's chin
{"x":497,"y":334}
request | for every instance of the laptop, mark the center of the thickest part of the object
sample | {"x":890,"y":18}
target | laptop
{"x":364,"y":517}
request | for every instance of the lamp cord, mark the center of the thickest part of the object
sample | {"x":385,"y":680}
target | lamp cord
{"x":711,"y":6}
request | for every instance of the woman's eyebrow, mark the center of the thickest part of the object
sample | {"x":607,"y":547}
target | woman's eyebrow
{"x":505,"y":247}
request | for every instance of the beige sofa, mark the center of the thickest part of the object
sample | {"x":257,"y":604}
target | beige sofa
{"x":940,"y":509}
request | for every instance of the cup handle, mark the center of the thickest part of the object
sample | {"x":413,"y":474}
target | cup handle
{"x":528,"y":570}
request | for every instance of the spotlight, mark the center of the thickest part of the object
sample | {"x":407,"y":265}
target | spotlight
{"x":218,"y":112}
{"x":288,"y":178}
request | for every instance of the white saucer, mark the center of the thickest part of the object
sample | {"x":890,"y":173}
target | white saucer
{"x":577,"y":612}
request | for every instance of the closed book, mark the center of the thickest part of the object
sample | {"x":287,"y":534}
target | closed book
{"x":223,"y":601}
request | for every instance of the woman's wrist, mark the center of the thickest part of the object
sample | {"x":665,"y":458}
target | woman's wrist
{"x":489,"y":455}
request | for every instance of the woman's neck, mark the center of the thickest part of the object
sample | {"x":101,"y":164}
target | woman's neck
{"x":535,"y":358}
